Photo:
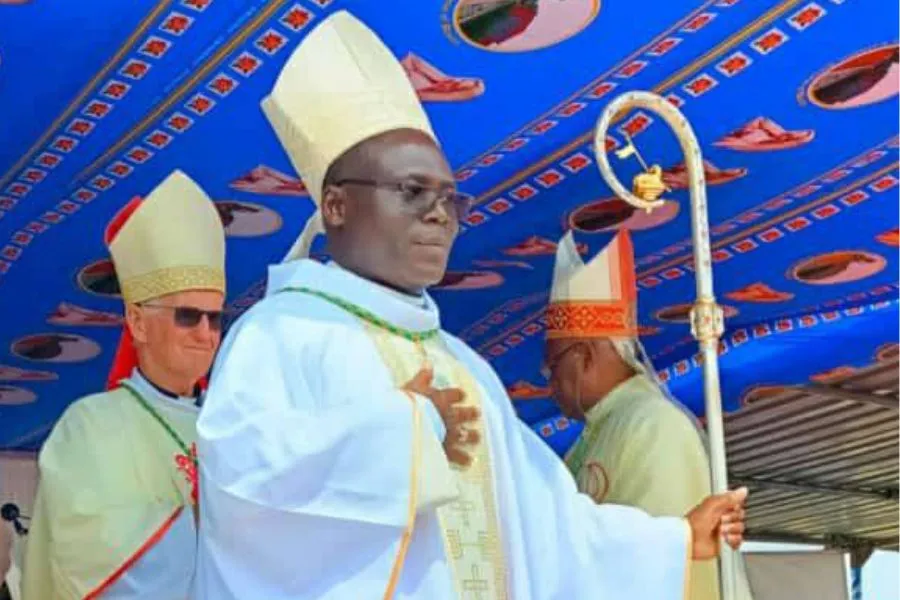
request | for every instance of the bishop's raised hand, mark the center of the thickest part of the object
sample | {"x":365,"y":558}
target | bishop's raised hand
{"x":448,"y":402}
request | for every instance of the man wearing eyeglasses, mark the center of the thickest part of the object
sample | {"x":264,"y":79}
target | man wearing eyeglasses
{"x":372,"y":454}
{"x":639,"y":447}
{"x":116,"y":510}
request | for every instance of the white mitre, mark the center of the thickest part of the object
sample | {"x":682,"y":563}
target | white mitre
{"x":341,"y":86}
{"x":593,"y":299}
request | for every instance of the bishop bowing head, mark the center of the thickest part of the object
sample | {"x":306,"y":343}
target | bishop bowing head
{"x":391,"y":209}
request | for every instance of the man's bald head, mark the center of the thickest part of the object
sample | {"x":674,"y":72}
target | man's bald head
{"x":355,"y":162}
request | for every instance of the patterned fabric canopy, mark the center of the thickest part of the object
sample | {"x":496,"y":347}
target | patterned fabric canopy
{"x":794,"y":102}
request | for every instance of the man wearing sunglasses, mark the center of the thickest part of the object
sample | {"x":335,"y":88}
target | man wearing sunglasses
{"x":639,"y":446}
{"x":116,"y":510}
{"x":372,"y":454}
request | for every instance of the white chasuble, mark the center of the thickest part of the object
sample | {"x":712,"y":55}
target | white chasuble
{"x":321,"y":478}
{"x":469,"y":523}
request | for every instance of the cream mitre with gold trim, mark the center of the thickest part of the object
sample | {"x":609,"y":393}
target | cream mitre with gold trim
{"x":171,"y":241}
{"x":341,"y":86}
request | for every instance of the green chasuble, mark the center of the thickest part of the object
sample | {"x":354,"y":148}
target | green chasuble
{"x":638,"y":449}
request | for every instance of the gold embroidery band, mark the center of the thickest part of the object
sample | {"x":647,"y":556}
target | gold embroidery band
{"x":485,"y":577}
{"x":475,"y":560}
{"x":413,"y":501}
{"x":590,"y":319}
{"x":168,"y":281}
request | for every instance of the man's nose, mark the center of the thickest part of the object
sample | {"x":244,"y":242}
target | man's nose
{"x":442,"y":211}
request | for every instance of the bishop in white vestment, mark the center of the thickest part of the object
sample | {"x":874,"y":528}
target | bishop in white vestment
{"x":115,"y":513}
{"x":330,"y":469}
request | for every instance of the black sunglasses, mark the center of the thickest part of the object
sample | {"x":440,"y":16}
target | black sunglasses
{"x":189,"y":317}
{"x":419,"y":197}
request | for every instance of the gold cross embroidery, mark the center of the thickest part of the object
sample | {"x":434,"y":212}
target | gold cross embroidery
{"x":475,"y":586}
{"x":458,"y":547}
{"x":464,"y":509}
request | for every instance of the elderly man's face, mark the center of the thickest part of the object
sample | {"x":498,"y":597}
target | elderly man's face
{"x":581,"y":371}
{"x":394,"y":212}
{"x":564,"y":368}
{"x":180,"y":332}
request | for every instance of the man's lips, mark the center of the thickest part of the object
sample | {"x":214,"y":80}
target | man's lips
{"x":432,"y":243}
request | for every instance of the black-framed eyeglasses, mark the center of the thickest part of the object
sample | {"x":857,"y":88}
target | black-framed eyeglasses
{"x":550,"y":365}
{"x":189,"y":317}
{"x":421,"y":198}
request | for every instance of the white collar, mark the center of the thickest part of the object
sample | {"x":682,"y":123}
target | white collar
{"x":414,"y":300}
{"x":398,"y":309}
{"x":151,"y":393}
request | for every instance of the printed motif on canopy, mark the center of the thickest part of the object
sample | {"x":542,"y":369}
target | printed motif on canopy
{"x":794,"y":104}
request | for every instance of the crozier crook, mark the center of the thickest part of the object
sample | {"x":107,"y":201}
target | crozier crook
{"x":706,"y":317}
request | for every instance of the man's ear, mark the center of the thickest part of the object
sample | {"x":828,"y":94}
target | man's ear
{"x":596,"y":352}
{"x":586,"y":353}
{"x":136,"y":322}
{"x":334,"y":206}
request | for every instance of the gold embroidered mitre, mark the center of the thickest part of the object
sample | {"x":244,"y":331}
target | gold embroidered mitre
{"x":341,"y":86}
{"x":171,"y":241}
{"x":596,"y":299}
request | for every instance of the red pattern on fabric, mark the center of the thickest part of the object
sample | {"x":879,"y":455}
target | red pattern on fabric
{"x":591,"y":319}
{"x":188,"y":466}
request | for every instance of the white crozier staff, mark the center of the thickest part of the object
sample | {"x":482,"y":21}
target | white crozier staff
{"x":706,"y":317}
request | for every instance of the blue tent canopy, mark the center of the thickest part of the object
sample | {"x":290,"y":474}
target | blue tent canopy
{"x":794,"y":102}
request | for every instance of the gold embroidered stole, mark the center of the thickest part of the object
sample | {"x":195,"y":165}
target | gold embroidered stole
{"x":469,"y":525}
